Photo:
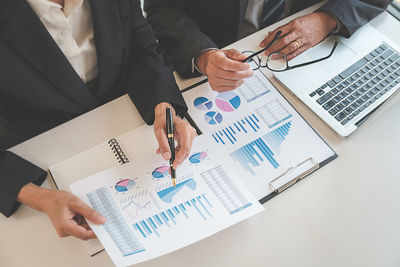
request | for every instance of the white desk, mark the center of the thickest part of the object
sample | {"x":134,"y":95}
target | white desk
{"x":345,"y":214}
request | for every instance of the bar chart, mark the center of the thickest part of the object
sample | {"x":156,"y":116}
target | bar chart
{"x":273,"y":113}
{"x":225,"y":190}
{"x":197,"y":207}
{"x":231,"y":133}
{"x":253,"y":155}
{"x":253,"y":88}
{"x":277,"y":136}
{"x":127,"y":243}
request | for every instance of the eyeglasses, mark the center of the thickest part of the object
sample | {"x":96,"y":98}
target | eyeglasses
{"x":277,"y":61}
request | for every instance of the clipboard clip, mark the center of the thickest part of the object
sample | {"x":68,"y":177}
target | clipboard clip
{"x":293,"y":175}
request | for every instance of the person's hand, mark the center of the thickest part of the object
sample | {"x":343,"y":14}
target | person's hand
{"x":223,"y":68}
{"x":66,"y":211}
{"x":184,"y":135}
{"x":300,"y":34}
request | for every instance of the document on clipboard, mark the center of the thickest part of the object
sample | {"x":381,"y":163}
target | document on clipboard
{"x":270,"y":145}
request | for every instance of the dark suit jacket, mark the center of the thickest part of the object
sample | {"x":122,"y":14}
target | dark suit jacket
{"x":186,"y":27}
{"x":39,"y":89}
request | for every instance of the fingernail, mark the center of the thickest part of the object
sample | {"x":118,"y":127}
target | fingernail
{"x":101,"y":218}
{"x":176,"y":166}
{"x":166,"y":155}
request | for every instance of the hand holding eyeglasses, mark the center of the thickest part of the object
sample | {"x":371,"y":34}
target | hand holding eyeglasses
{"x":300,"y":34}
{"x":224,"y":68}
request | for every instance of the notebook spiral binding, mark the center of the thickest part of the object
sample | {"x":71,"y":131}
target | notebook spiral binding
{"x":117,"y":150}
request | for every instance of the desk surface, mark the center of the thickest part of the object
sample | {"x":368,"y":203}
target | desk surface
{"x":345,"y":214}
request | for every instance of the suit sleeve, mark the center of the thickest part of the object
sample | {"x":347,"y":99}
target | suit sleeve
{"x":353,"y":14}
{"x":149,"y":77}
{"x":178,"y":33}
{"x":15,"y":172}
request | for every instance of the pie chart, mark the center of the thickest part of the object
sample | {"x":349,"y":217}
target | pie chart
{"x":160,"y":172}
{"x":202,"y":103}
{"x":198,"y":157}
{"x":124,"y":185}
{"x":227,"y":101}
{"x":213,"y":117}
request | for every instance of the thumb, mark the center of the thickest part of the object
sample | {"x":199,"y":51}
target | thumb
{"x":234,"y":55}
{"x":89,"y":213}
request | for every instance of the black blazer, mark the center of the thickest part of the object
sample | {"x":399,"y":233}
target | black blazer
{"x":39,"y":89}
{"x":187,"y":27}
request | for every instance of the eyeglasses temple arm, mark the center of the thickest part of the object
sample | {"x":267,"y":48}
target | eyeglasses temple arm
{"x":317,"y":60}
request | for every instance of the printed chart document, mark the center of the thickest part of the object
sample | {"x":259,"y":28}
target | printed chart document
{"x":258,"y":129}
{"x":147,"y":217}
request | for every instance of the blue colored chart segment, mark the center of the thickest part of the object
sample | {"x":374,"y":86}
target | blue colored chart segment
{"x":227,"y":101}
{"x":160,"y":172}
{"x":198,"y":157}
{"x":124,"y":185}
{"x":196,"y":206}
{"x":213,"y":117}
{"x":230,"y":134}
{"x":168,"y":194}
{"x":277,"y":136}
{"x":202,"y":103}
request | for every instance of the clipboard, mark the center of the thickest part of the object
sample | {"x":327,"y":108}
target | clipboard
{"x":293,"y":174}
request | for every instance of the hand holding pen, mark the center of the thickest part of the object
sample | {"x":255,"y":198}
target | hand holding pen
{"x":183,"y":132}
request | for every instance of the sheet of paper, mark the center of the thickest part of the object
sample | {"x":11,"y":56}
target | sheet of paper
{"x":257,"y":128}
{"x":135,"y":144}
{"x":147,"y":217}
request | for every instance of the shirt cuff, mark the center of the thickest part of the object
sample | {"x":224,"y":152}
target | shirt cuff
{"x":194,"y":66}
{"x":339,"y":26}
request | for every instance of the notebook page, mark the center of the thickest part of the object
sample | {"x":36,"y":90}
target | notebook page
{"x":89,"y":162}
{"x":258,"y":129}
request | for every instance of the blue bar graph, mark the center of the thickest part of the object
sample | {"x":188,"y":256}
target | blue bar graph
{"x":257,"y":152}
{"x":277,"y":136}
{"x":167,"y":218}
{"x":230,"y":134}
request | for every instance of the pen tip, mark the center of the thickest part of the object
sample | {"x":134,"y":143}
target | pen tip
{"x":173,"y":182}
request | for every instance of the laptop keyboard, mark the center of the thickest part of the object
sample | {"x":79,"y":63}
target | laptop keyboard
{"x":360,"y":85}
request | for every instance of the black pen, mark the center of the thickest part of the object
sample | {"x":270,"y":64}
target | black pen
{"x":265,"y":48}
{"x":171,"y":142}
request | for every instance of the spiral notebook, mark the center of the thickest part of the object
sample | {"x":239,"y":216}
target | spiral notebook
{"x":116,"y":151}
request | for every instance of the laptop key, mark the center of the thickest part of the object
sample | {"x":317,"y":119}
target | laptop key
{"x":383,"y":46}
{"x":324,"y":86}
{"x":369,"y":57}
{"x":331,"y":83}
{"x":394,"y":57}
{"x":340,"y":116}
{"x":337,"y":99}
{"x":333,"y":112}
{"x":324,"y":98}
{"x":361,"y":109}
{"x":355,"y":113}
{"x":347,"y":72}
{"x":320,"y":91}
{"x":350,"y":117}
{"x":328,"y":104}
{"x":337,"y":79}
{"x":333,"y":91}
{"x":343,"y":122}
{"x":313,"y":94}
{"x":387,"y":53}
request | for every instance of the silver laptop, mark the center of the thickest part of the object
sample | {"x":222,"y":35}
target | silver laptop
{"x":345,"y":89}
